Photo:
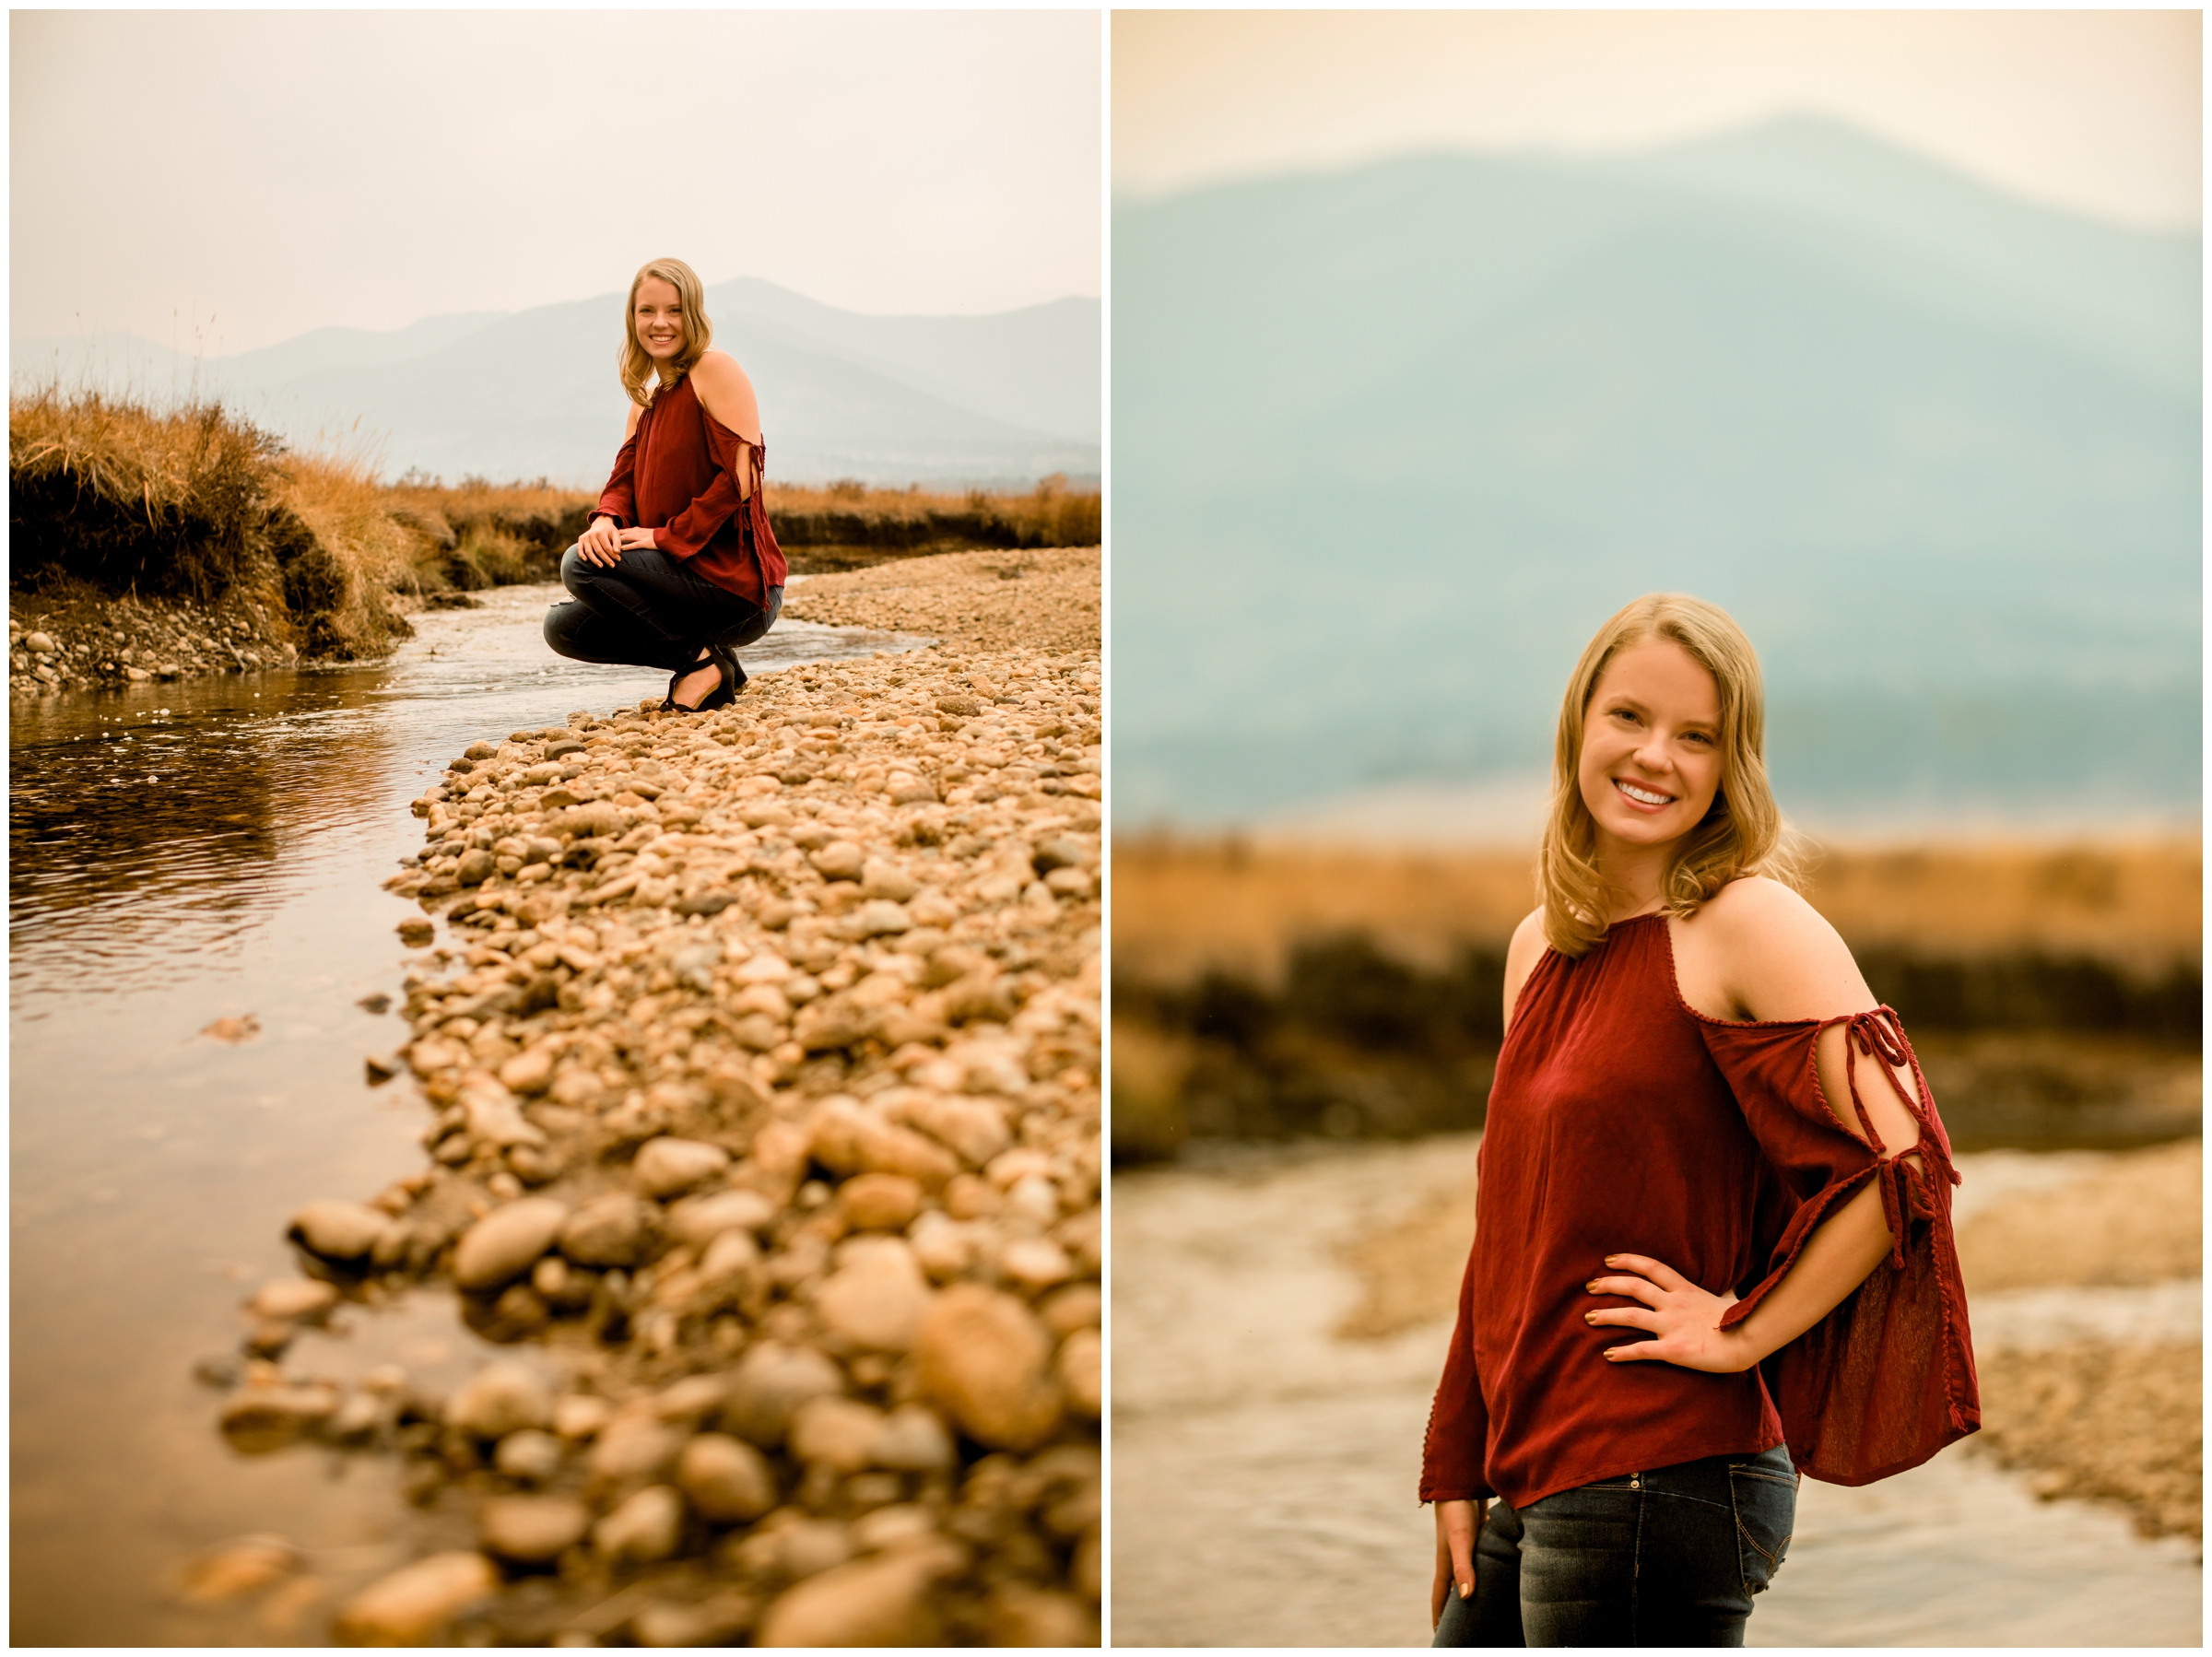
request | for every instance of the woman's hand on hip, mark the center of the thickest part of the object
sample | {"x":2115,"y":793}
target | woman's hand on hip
{"x":601,"y":544}
{"x":1457,"y":1525}
{"x":1684,"y":1320}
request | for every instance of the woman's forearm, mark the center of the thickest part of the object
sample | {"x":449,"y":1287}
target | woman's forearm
{"x":1843,"y":1252}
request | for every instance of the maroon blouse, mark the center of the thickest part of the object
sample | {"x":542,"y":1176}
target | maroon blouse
{"x":1624,"y":1121}
{"x":679,"y":474}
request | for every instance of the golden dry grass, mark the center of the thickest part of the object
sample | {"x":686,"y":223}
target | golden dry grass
{"x":1182,"y":906}
{"x":336,"y":494}
{"x":112,"y":490}
{"x":1051,"y":514}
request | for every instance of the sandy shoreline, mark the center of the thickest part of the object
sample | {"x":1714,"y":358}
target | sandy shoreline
{"x":763,"y":1049}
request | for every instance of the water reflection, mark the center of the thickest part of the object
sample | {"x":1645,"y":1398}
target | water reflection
{"x":180,"y":853}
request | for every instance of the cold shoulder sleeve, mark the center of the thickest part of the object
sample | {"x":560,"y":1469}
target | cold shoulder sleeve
{"x":1887,"y":1379}
{"x":693,"y":528}
{"x":1453,"y":1453}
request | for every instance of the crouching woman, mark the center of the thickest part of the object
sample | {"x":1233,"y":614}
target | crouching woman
{"x":678,"y":569}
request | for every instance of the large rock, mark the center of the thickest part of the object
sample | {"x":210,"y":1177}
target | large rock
{"x":878,"y":1601}
{"x":1080,"y":1368}
{"x":666,"y":1166}
{"x":880,"y":1201}
{"x":985,"y":1357}
{"x":506,"y":1243}
{"x":769,"y":1382}
{"x":632,"y":1450}
{"x":914,"y":1438}
{"x":416,"y":1603}
{"x":501,"y":1398}
{"x":339,"y":1231}
{"x":294,"y":1299}
{"x":840,"y":1433}
{"x":876,"y":1300}
{"x":848,"y":1137}
{"x":610,"y":1231}
{"x":644,"y":1530}
{"x":725,"y":1479}
{"x":1022,"y":1616}
{"x":531,"y":1530}
{"x":699,"y":1220}
{"x":495,"y":1120}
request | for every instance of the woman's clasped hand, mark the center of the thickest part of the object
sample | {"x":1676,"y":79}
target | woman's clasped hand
{"x":603,"y":543}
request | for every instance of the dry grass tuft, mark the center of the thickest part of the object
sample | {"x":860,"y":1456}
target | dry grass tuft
{"x":341,"y":575}
{"x":128,"y":496}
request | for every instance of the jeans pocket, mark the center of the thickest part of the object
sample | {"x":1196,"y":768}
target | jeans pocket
{"x":1766,"y":1512}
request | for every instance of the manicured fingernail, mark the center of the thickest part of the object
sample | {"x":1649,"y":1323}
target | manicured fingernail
{"x":1591,"y":1286}
{"x":1466,"y":1589}
{"x":1589,"y":1317}
{"x":1612,"y":1260}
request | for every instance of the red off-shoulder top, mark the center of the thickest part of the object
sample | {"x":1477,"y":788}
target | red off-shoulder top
{"x":1621,"y":1120}
{"x":677,"y":474}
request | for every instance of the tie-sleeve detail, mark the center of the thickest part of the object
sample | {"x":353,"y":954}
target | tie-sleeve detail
{"x":1887,"y":1379}
{"x":681,"y":475}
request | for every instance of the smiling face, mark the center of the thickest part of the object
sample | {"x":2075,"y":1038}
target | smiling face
{"x":1650,"y":759}
{"x":657,"y":317}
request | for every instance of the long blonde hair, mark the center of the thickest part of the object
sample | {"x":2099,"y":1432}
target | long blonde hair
{"x":1743,"y":832}
{"x":636,"y":367}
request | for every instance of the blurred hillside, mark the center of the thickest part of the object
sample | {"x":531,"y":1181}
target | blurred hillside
{"x":1004,"y":399}
{"x":1390,"y":443}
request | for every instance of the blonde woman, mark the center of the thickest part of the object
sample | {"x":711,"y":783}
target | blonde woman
{"x":679,"y":568}
{"x":1712,"y":1218}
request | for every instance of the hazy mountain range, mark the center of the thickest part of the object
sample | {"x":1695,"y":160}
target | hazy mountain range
{"x":1388,"y":444}
{"x":947,"y":400}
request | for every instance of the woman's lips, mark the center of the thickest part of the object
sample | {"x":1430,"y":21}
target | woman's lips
{"x":1642,"y":798}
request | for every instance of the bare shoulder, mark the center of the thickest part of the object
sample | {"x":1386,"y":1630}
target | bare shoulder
{"x":719,"y":367}
{"x":630,"y":427}
{"x":727,"y":394}
{"x":1521,"y":956}
{"x":1778,"y":954}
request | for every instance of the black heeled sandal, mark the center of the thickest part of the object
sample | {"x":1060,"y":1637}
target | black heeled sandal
{"x":733,"y":679}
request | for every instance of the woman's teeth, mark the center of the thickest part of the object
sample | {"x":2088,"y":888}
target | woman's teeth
{"x":1644,"y":795}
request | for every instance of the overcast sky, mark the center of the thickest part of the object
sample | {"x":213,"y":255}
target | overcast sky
{"x":2098,"y":112}
{"x":278,"y":171}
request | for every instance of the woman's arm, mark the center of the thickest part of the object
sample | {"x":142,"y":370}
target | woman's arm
{"x":1771,"y":956}
{"x":727,"y":396}
{"x":602,"y":540}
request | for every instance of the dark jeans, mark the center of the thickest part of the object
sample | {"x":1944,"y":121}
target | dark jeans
{"x":650,"y":611}
{"x":1669,"y":1557}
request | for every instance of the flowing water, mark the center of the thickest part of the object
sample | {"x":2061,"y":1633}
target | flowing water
{"x":180,"y":854}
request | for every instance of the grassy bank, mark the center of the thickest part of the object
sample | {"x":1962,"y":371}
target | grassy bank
{"x":2054,"y":993}
{"x":277,"y":553}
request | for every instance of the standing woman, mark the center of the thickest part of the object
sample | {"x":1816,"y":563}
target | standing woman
{"x":679,"y":568}
{"x":1705,"y":1137}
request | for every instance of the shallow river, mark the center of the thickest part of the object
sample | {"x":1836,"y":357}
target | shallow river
{"x":178,"y":854}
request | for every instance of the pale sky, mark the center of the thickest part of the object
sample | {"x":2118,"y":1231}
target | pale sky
{"x":278,"y":171}
{"x":2097,"y":113}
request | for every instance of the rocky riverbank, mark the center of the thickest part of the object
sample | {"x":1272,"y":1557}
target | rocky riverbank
{"x":83,"y":640}
{"x":763,"y":1054}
